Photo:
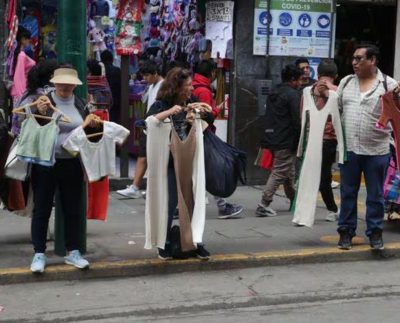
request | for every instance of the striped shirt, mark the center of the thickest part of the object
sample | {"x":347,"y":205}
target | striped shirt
{"x":360,"y":113}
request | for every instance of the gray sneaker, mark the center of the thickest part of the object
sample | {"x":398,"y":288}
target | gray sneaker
{"x":332,"y":216}
{"x":263,"y":211}
{"x":231,"y":211}
{"x":38,"y":263}
{"x":75,"y":259}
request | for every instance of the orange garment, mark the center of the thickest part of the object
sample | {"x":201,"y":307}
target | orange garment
{"x":391,"y":113}
{"x":98,"y":191}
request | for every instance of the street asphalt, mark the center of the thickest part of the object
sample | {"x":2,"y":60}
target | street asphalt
{"x":115,"y":247}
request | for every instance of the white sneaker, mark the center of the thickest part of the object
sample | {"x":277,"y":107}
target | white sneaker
{"x":75,"y":259}
{"x":130,"y":191}
{"x":38,"y":263}
{"x":335,"y":184}
{"x":332,"y":216}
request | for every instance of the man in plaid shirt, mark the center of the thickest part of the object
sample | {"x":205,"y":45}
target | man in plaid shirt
{"x":367,"y":146}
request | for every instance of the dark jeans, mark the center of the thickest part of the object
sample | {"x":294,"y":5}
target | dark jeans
{"x":374,"y":169}
{"x":67,"y":176}
{"x":325,"y":187}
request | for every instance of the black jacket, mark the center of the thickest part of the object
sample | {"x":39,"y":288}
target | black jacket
{"x":113,"y":75}
{"x":282,"y":127}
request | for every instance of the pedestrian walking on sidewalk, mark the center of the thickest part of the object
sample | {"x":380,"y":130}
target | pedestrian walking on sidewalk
{"x":113,"y":74}
{"x":367,"y":146}
{"x":66,"y":174}
{"x":203,"y":77}
{"x":151,"y":74}
{"x":281,"y":137}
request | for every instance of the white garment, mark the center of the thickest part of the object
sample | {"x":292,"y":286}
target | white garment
{"x":310,"y":175}
{"x":98,"y":158}
{"x":156,"y":214}
{"x":152,"y":93}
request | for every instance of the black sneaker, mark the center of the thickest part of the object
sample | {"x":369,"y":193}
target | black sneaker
{"x":164,"y":254}
{"x":375,"y":239}
{"x":202,"y":253}
{"x":230,"y":211}
{"x":345,"y":240}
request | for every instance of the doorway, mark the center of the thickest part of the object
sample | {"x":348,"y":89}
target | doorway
{"x":364,"y":21}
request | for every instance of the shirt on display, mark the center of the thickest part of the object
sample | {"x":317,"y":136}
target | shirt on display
{"x":36,"y":143}
{"x":98,"y":158}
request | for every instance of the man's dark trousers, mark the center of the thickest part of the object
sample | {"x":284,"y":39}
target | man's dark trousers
{"x":374,"y":169}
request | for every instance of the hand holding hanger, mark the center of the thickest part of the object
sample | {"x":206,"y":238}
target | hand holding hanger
{"x":92,"y":120}
{"x":170,"y":112}
{"x":397,"y":89}
{"x":42,"y":104}
{"x":200,"y":106}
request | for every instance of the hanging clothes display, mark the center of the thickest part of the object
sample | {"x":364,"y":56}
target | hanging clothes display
{"x":156,"y":214}
{"x":391,"y":113}
{"x":183,"y":153}
{"x":310,"y":174}
{"x":98,"y":158}
{"x":36,"y":143}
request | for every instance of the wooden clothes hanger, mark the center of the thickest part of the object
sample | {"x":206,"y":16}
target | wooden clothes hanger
{"x":21,"y":109}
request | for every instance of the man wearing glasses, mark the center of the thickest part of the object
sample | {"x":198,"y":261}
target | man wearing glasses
{"x":367,"y":146}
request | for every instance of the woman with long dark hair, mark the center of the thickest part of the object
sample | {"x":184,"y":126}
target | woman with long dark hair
{"x":175,"y":156}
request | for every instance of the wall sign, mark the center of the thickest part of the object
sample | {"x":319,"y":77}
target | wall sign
{"x":219,"y":22}
{"x":296,"y":27}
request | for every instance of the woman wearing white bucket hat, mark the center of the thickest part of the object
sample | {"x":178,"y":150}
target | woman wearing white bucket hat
{"x":66,"y":174}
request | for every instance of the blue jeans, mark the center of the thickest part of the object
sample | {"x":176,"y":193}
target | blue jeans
{"x":374,"y":169}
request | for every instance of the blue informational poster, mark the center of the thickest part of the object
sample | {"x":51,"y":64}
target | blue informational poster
{"x":296,"y":28}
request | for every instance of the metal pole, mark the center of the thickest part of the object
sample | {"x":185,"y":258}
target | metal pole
{"x":71,"y":48}
{"x":71,"y":38}
{"x":124,"y":155}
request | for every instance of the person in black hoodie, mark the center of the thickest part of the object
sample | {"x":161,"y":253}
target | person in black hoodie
{"x":281,"y":137}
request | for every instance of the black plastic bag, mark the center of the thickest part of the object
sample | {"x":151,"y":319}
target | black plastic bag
{"x":224,"y":166}
{"x":176,"y":249}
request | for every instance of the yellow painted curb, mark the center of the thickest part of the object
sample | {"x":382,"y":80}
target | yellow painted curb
{"x":131,"y":268}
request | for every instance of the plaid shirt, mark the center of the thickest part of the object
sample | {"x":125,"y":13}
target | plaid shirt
{"x":360,"y":115}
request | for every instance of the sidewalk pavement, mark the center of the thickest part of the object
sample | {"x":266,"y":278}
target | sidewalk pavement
{"x":115,"y":247}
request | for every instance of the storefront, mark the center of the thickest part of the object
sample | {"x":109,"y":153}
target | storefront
{"x":170,"y":32}
{"x":365,"y":21}
{"x":373,"y":21}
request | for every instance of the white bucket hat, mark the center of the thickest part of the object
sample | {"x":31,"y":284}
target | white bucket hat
{"x":66,"y":76}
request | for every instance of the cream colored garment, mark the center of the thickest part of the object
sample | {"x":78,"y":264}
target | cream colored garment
{"x":310,"y":175}
{"x":199,"y":185}
{"x":156,"y":213}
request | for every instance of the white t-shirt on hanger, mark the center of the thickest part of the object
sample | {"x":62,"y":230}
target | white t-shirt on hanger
{"x":98,"y":158}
